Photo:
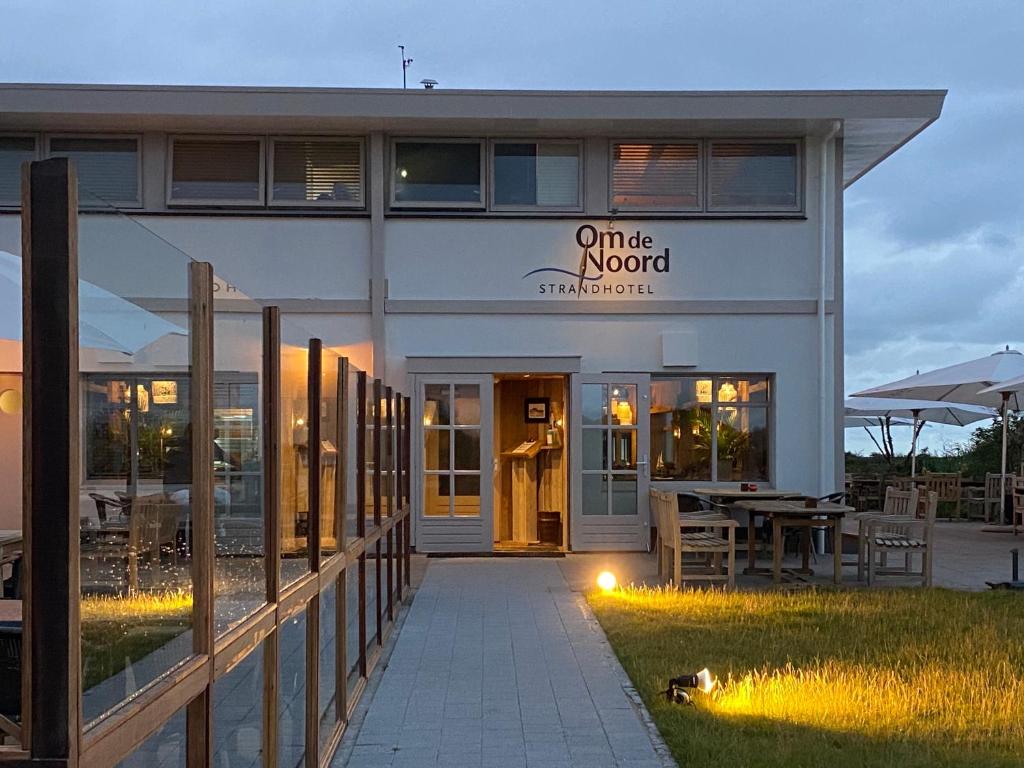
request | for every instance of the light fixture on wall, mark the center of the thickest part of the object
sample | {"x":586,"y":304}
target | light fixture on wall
{"x":164,"y":392}
{"x":10,"y":401}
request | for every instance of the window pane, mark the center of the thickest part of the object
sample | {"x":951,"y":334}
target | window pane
{"x":681,"y":429}
{"x":291,"y":719}
{"x":753,"y":175}
{"x":743,"y":390}
{"x":515,"y":174}
{"x":595,"y":494}
{"x":164,"y":749}
{"x":595,"y":403}
{"x":436,"y":489}
{"x":624,"y":494}
{"x":437,"y":172}
{"x":467,"y":495}
{"x":655,"y":176}
{"x":742,"y":444}
{"x":436,"y":448}
{"x":467,"y":449}
{"x":14,"y":150}
{"x":530,"y":174}
{"x":623,"y":407}
{"x":328,"y":662}
{"x":435,"y":404}
{"x":307,"y":171}
{"x":238,"y":714}
{"x":467,"y":404}
{"x":216,"y":170}
{"x":558,"y":174}
{"x":595,"y":449}
{"x":108,"y":169}
{"x":294,"y":471}
{"x":624,"y":449}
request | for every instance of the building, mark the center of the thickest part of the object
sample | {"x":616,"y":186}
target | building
{"x":587,"y":293}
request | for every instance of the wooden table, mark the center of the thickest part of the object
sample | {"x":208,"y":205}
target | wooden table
{"x":793,"y":514}
{"x":735,"y":494}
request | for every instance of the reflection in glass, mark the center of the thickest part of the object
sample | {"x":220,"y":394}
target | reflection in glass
{"x":238,"y":714}
{"x":623,"y":404}
{"x":437,"y":172}
{"x":294,"y":463}
{"x":595,"y":449}
{"x":467,"y":449}
{"x":436,"y":495}
{"x":436,"y":448}
{"x":467,"y":495}
{"x":291,"y":723}
{"x":435,"y":405}
{"x":595,"y":494}
{"x":595,"y":403}
{"x":624,"y":448}
{"x":328,"y":662}
{"x":164,"y":749}
{"x":372,"y":595}
{"x":742,"y":444}
{"x":350,"y":466}
{"x":351,"y":582}
{"x":467,"y":404}
{"x":624,"y":494}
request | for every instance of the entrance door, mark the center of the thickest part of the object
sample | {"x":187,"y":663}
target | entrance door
{"x":454,"y":463}
{"x":610,"y":468}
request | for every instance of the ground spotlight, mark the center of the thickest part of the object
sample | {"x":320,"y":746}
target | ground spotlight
{"x":678,"y":686}
{"x":606,"y":580}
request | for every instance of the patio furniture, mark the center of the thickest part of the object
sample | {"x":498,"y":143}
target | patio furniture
{"x":10,"y":679}
{"x":996,"y":491}
{"x":898,"y":503}
{"x":121,"y":506}
{"x":728,"y":497}
{"x":151,"y":528}
{"x":946,"y":485}
{"x":707,"y":533}
{"x":788,"y":513}
{"x":1018,"y":502}
{"x":903,"y":534}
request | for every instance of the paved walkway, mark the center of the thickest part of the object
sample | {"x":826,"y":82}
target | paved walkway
{"x":498,"y":663}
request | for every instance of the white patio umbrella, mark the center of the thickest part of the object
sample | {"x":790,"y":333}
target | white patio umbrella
{"x":106,"y":321}
{"x":963,"y":383}
{"x":1008,"y":391}
{"x":918,"y":411}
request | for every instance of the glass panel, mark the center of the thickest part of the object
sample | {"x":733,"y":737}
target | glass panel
{"x":351,"y":581}
{"x":135,"y":511}
{"x":515,"y":174}
{"x":328,"y":662}
{"x":680,"y":429}
{"x":294,"y":459}
{"x":436,"y":489}
{"x":595,"y":449}
{"x":436,"y":448}
{"x":306,"y":171}
{"x":742,"y":444}
{"x":623,"y":405}
{"x":370,"y":441}
{"x":388,"y":451}
{"x":753,"y":175}
{"x":351,"y":468}
{"x":163,"y":749}
{"x":624,"y":448}
{"x":545,"y":174}
{"x":108,"y":168}
{"x":291,"y":722}
{"x":595,"y":494}
{"x":218,"y":170}
{"x":624,"y":495}
{"x":372,"y":594}
{"x":655,"y":175}
{"x":467,"y":404}
{"x":595,"y":403}
{"x":558,"y":175}
{"x":329,"y":452}
{"x":238,"y":715}
{"x":14,"y":150}
{"x":742,"y":390}
{"x":467,"y":449}
{"x":467,"y":495}
{"x":437,"y":172}
{"x":435,"y":404}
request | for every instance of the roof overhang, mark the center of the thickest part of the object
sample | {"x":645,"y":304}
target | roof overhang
{"x":874,"y":124}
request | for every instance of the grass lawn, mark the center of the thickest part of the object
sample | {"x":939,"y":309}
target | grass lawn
{"x":119,"y":629}
{"x":908,"y":677}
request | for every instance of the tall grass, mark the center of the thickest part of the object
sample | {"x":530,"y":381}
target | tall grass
{"x":829,"y":678}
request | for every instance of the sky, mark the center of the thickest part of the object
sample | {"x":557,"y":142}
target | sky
{"x":934,"y":236}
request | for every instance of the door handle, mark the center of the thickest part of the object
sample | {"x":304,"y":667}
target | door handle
{"x":645,"y":464}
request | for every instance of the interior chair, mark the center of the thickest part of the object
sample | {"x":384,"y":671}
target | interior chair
{"x":10,"y":672}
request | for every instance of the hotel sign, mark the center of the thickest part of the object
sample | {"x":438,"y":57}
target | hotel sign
{"x":611,"y":263}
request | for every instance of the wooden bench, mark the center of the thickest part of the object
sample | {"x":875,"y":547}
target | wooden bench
{"x":901,"y":534}
{"x":707,"y":534}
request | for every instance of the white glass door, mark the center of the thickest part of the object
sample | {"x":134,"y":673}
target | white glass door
{"x":611,"y":469}
{"x":454,"y":452}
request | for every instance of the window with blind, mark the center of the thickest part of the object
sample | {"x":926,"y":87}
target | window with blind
{"x":216,"y":171}
{"x":536,"y":175}
{"x":14,"y":150}
{"x":107,"y":168}
{"x":661,"y":176}
{"x":762,"y":176}
{"x":317,"y":172}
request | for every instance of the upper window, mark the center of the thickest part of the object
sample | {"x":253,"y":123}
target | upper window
{"x":14,"y":150}
{"x":221,"y":171}
{"x":317,"y":172}
{"x":438,"y":174}
{"x":108,"y":168}
{"x":662,"y":176}
{"x":536,"y":175}
{"x":759,"y":176}
{"x":710,"y":428}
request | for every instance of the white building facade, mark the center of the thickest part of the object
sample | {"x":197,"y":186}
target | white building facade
{"x":643,"y":289}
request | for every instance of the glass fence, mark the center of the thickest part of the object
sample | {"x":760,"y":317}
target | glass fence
{"x":242,"y":518}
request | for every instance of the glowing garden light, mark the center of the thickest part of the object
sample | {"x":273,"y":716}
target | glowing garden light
{"x":678,"y":686}
{"x":606,"y":580}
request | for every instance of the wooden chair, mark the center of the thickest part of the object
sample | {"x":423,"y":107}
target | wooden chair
{"x":995,"y":491}
{"x":904,"y":535}
{"x":1018,"y":502}
{"x":946,"y":485}
{"x":898,"y":503}
{"x":709,"y":534}
{"x":152,"y":526}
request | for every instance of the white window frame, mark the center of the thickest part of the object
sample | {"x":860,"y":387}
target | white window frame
{"x":701,"y":167}
{"x":272,"y":203}
{"x":492,"y":143}
{"x":137,"y":202}
{"x":798,"y":143}
{"x":216,"y":202}
{"x":38,"y":155}
{"x":404,"y":205}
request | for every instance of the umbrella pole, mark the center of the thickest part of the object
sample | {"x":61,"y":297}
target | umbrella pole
{"x":1002,"y":476}
{"x":913,"y":449}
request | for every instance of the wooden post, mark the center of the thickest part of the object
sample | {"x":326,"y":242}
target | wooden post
{"x":341,"y":491}
{"x":51,"y":688}
{"x":361,"y":514}
{"x":314,"y":452}
{"x":406,"y":413}
{"x":271,"y":520}
{"x":378,"y":394}
{"x":399,"y":494}
{"x":392,"y":486}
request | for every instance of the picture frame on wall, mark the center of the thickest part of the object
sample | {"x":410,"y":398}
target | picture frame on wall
{"x":537,"y":410}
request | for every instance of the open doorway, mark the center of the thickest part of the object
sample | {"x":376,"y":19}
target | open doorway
{"x":531,"y":463}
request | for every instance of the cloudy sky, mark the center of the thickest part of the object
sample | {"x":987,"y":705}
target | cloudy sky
{"x":934,"y":237}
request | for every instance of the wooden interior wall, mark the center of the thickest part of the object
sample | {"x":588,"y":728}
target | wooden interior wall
{"x":511,"y":429}
{"x":294,"y":439}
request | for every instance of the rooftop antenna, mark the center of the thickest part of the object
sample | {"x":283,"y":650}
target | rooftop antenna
{"x":405,"y":65}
